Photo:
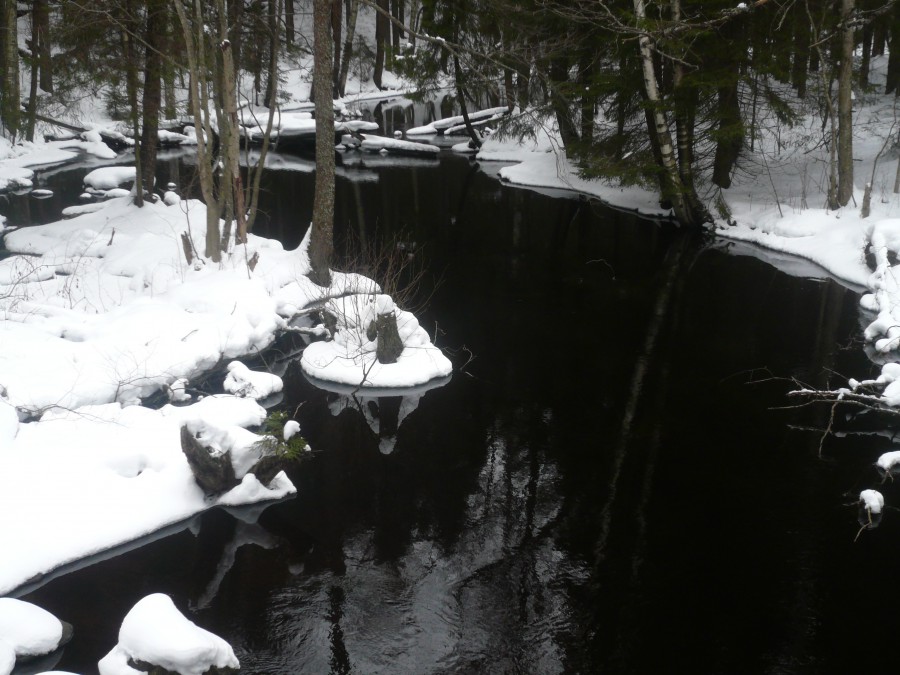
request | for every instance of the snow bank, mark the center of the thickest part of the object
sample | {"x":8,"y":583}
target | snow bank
{"x":104,"y":311}
{"x":155,"y":632}
{"x":103,"y":475}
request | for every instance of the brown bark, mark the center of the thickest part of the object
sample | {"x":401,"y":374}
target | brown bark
{"x":321,"y":239}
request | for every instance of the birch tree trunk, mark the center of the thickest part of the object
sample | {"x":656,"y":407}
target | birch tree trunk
{"x":671,"y":181}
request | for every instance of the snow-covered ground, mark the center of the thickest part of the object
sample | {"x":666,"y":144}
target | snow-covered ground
{"x":102,"y":310}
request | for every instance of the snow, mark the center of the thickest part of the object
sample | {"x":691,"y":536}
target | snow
{"x":109,"y":177}
{"x":291,"y":428}
{"x":155,"y":632}
{"x":378,"y":143}
{"x":888,"y":460}
{"x":242,"y":381}
{"x":350,"y":357}
{"x":27,"y":629}
{"x":101,"y":311}
{"x":872,"y":500}
{"x":7,"y":657}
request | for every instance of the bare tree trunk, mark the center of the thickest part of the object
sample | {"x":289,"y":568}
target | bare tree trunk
{"x":131,"y":86}
{"x":336,"y":27}
{"x":196,"y":51}
{"x":40,"y":35}
{"x":845,"y":106}
{"x":32,"y":97}
{"x":321,"y":239}
{"x":382,"y":34}
{"x":155,"y":37}
{"x":348,"y":47}
{"x":289,"y":22}
{"x":892,"y":81}
{"x":866,"y":60}
{"x":9,"y":103}
{"x":476,"y":141}
{"x":272,"y":82}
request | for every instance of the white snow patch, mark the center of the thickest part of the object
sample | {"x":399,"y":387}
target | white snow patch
{"x":155,"y":632}
{"x":242,"y":381}
{"x":28,"y":629}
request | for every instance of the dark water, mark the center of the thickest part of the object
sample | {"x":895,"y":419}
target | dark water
{"x":605,"y":485}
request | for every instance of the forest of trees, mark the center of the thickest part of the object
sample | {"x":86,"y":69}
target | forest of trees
{"x":668,"y":94}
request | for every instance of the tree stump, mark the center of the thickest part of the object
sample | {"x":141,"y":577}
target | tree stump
{"x":213,"y":473}
{"x":384,"y":329}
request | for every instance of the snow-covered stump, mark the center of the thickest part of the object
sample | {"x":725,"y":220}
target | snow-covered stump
{"x":28,"y":632}
{"x":156,"y":639}
{"x":212,"y":469}
{"x":871,"y":506}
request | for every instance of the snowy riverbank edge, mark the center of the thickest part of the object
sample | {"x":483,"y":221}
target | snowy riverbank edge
{"x":101,"y":311}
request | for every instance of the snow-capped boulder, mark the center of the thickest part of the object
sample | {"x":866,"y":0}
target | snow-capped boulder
{"x":155,"y":634}
{"x":241,"y":381}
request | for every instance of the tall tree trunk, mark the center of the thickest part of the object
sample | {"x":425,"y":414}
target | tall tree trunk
{"x":131,"y":86}
{"x":337,"y":12}
{"x":673,"y":190}
{"x":892,"y":82}
{"x":800,"y":64}
{"x":196,"y":54}
{"x":347,"y":53}
{"x":321,"y":240}
{"x":461,"y":94}
{"x":865,"y":62}
{"x":40,"y":35}
{"x":273,"y":28}
{"x":382,"y":34}
{"x":559,"y":76}
{"x":730,"y":134}
{"x":845,"y":106}
{"x":32,"y":96}
{"x":879,"y":36}
{"x":155,"y":43}
{"x":396,"y":30}
{"x":289,"y":22}
{"x":10,"y":110}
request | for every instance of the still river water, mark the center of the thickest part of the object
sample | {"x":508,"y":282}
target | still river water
{"x":604,"y":485}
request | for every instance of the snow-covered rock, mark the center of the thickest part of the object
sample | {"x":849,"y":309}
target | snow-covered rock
{"x":872,"y":501}
{"x":28,"y":629}
{"x":155,"y":633}
{"x":109,"y":177}
{"x":291,"y":428}
{"x":241,"y":381}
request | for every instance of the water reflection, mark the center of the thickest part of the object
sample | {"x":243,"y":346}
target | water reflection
{"x":606,"y":487}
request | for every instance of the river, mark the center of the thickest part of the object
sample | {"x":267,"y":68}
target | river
{"x":609,"y":482}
